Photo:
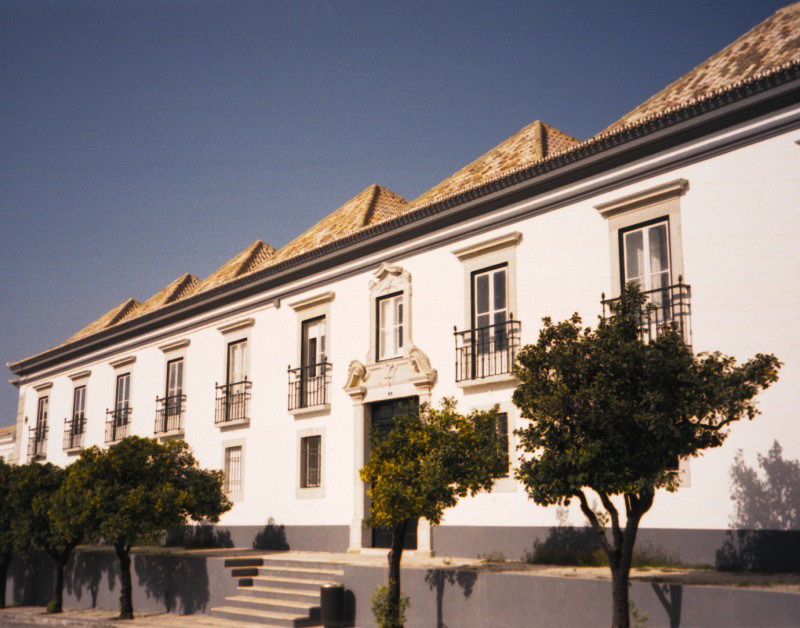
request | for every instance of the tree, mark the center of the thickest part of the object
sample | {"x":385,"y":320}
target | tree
{"x":137,"y":490}
{"x":612,"y":413}
{"x":7,"y":517}
{"x":431,"y":458}
{"x":48,"y":520}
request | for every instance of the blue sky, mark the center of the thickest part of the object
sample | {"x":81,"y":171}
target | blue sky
{"x":143,"y":139}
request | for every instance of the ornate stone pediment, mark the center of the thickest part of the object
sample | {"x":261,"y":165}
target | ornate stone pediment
{"x":386,"y":376}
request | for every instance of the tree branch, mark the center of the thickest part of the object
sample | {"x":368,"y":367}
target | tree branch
{"x":593,"y":520}
{"x":612,"y":510}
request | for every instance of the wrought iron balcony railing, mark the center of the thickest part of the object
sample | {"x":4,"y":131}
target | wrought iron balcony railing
{"x":486,"y":351}
{"x":662,"y":307}
{"x":169,"y":414}
{"x":74,"y":429}
{"x":233,"y":402}
{"x":37,"y":441}
{"x":309,"y":385}
{"x":117,"y":423}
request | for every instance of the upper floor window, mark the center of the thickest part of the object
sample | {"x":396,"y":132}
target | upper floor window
{"x":119,"y":417}
{"x":233,"y":397}
{"x":645,"y":255}
{"x":390,"y":326}
{"x":487,"y":347}
{"x":75,"y":426}
{"x":170,"y":411}
{"x":122,"y":394}
{"x":37,"y":436}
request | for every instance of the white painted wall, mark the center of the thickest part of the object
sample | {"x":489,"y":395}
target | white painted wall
{"x":741,"y":226}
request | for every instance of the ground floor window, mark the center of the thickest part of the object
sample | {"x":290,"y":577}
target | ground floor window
{"x":311,"y":461}
{"x":233,"y":470}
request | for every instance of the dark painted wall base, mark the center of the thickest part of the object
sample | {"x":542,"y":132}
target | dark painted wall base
{"x":760,"y":550}
{"x":272,"y":536}
{"x":449,"y":597}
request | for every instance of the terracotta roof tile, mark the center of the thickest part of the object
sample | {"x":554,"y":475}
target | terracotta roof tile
{"x":772,"y":43}
{"x":373,"y":205}
{"x":526,"y":146}
{"x":252,"y":258}
{"x":123,"y":310}
{"x":181,"y":287}
{"x":11,"y":429}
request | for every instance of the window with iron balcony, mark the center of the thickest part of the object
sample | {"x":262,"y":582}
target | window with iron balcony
{"x":118,"y":418}
{"x":75,"y":426}
{"x":310,"y":383}
{"x":170,"y":407}
{"x":233,"y":397}
{"x":37,"y":435}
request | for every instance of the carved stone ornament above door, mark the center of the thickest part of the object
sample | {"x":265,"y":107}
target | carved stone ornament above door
{"x":410,"y":372}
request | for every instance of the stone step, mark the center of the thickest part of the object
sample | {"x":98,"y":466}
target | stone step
{"x":312,"y":564}
{"x":308,"y":609}
{"x":244,"y":562}
{"x":243,"y":572}
{"x":314,"y":573}
{"x":289,"y":583}
{"x":299,"y":595}
{"x":262,"y":616}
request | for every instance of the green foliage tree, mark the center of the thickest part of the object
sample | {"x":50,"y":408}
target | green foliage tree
{"x":47,"y":521}
{"x":612,"y":413}
{"x":7,"y":517}
{"x":137,"y":490}
{"x":431,"y":458}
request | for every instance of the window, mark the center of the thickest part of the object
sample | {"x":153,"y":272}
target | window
{"x":487,"y":345}
{"x":311,"y":462}
{"x":233,"y":470}
{"x":41,"y":412}
{"x":73,"y":434}
{"x":390,"y":326}
{"x":237,"y":363}
{"x":122,"y":394}
{"x":308,"y":385}
{"x":79,"y":403}
{"x":490,"y":307}
{"x":502,"y":438}
{"x":645,"y":255}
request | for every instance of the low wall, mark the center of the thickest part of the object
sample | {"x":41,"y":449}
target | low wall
{"x":442,"y":597}
{"x":172,"y":583}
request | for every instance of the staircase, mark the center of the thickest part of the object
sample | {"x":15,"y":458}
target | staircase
{"x":277,"y":592}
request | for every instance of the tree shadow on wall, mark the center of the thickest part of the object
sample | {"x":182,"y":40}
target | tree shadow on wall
{"x":179,"y":582}
{"x":764,"y":534}
{"x":85,"y":571}
{"x":438,"y":578}
{"x":199,"y":537}
{"x":671,"y":597}
{"x":567,"y":545}
{"x":272,"y":537}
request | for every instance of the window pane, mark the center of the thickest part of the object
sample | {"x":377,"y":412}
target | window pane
{"x":500,"y":290}
{"x":659,"y":251}
{"x":481,"y":294}
{"x":634,"y":256}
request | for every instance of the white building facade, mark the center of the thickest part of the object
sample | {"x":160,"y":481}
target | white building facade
{"x":698,"y":203}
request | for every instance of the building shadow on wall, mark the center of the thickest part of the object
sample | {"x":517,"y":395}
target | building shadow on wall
{"x":438,"y":579}
{"x":85,"y":572}
{"x":272,"y":537}
{"x":765,"y":527}
{"x":179,"y":582}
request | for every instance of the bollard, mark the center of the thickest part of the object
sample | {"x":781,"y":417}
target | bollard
{"x":331,"y":601}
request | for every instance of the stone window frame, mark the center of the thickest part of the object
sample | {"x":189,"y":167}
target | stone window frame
{"x":389,"y":280}
{"x":311,"y":492}
{"x":229,"y":444}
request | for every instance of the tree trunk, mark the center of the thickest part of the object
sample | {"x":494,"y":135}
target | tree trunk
{"x":395,"y":554}
{"x":5,"y":561}
{"x":126,"y":589}
{"x":620,"y":612}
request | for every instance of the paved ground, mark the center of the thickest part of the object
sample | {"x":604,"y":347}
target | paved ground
{"x":37,"y":616}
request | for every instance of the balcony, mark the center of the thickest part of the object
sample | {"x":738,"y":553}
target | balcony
{"x":308,"y":388}
{"x":233,"y":404}
{"x":486,"y":355}
{"x":169,"y":415}
{"x":37,"y":442}
{"x":662,"y":307}
{"x":74,"y":429}
{"x":117,"y":424}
